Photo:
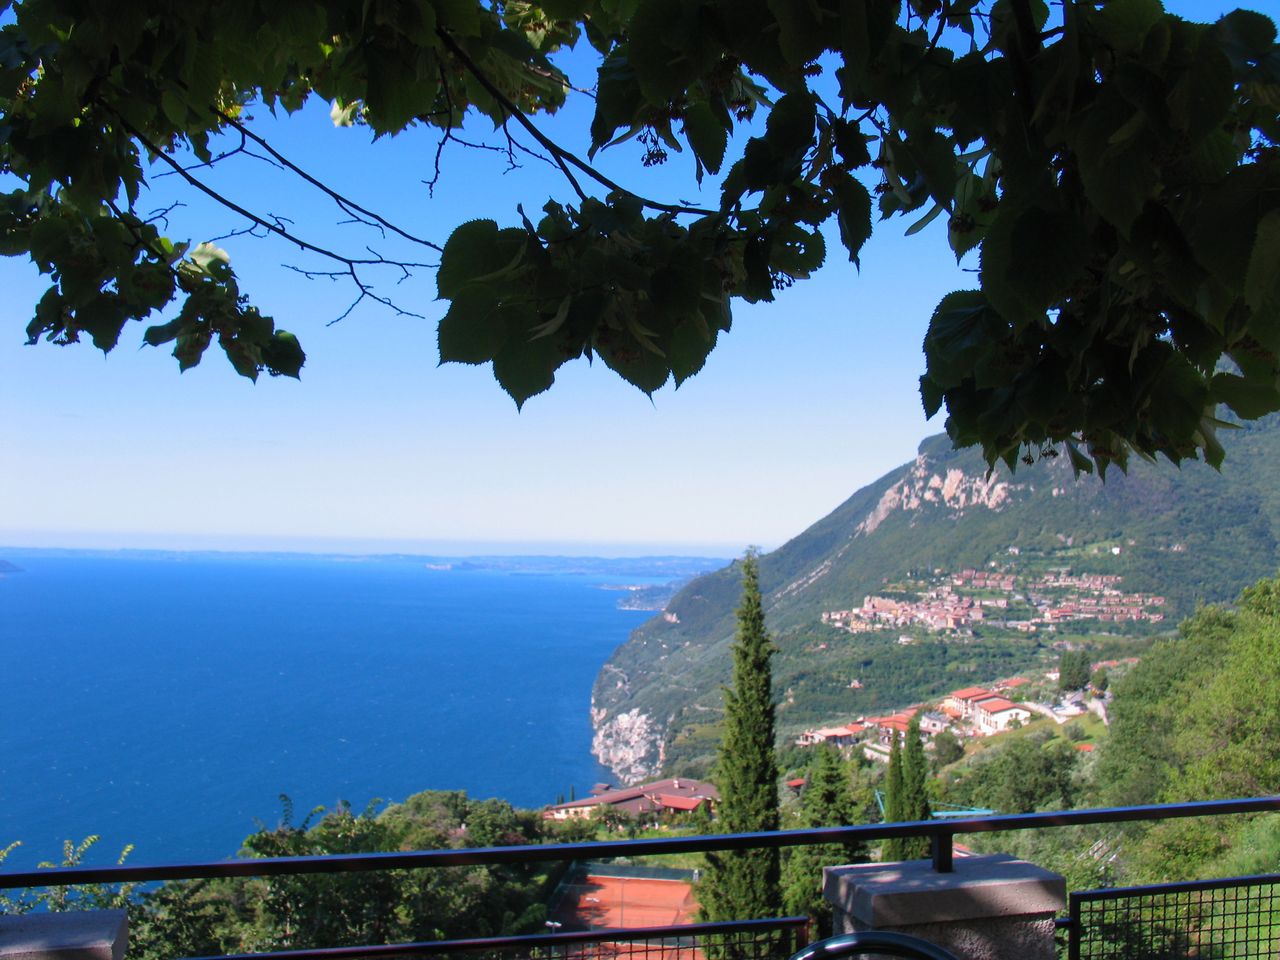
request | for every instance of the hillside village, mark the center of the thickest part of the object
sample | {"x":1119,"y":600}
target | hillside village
{"x":1001,"y":598}
{"x":967,"y":713}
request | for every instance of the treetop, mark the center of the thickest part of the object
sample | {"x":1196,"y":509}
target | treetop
{"x":1109,"y":169}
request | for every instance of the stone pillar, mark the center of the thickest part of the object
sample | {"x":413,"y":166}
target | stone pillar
{"x":71,"y":935}
{"x":991,"y":907}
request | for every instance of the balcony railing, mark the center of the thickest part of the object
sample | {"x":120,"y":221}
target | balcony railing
{"x":940,"y":832}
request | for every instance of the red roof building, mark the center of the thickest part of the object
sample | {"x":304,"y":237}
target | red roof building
{"x":676,"y":794}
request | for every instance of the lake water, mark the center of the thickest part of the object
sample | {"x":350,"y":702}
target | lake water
{"x":168,"y":700}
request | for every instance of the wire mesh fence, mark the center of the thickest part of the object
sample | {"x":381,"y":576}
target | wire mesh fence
{"x":743,"y":940}
{"x":1235,"y":919}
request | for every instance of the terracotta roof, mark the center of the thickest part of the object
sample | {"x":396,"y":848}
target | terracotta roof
{"x":825,"y":732}
{"x":680,"y":803}
{"x":968,"y":693}
{"x":997,"y":705}
{"x":797,"y":783}
{"x":1085,"y":747}
{"x":635,"y":796}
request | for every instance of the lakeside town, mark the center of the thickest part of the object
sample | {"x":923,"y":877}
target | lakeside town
{"x":1001,"y":598}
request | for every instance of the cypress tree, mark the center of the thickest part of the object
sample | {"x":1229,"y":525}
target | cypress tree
{"x":744,"y":884}
{"x":907,"y":794}
{"x":894,"y":848}
{"x":827,"y":802}
{"x":915,"y":790}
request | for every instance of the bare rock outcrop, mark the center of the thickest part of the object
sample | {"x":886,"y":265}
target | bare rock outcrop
{"x":628,"y":743}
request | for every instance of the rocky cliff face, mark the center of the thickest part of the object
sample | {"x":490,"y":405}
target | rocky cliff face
{"x":628,"y":743}
{"x":947,"y":487}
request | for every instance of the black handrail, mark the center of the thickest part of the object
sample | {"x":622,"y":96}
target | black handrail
{"x":878,"y":942}
{"x":542,"y":940}
{"x":942,"y":832}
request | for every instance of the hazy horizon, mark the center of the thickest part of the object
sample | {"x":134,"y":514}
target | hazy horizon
{"x":98,"y":541}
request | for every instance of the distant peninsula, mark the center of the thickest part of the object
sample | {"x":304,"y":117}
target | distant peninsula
{"x":7,"y":567}
{"x":642,"y":597}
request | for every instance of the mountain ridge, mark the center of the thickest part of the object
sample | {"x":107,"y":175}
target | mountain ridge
{"x":1188,"y":534}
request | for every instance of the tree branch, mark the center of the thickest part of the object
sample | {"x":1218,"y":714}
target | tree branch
{"x":348,"y":206}
{"x":563,"y":157}
{"x":249,"y":215}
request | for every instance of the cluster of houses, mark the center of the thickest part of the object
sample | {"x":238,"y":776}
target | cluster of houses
{"x":643,"y":801}
{"x":1090,"y":597}
{"x":1095,"y":597}
{"x":940,"y":609}
{"x":971,"y":712}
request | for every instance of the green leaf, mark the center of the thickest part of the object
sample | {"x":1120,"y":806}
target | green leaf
{"x":789,"y":127}
{"x":103,"y":317}
{"x":1262,"y":280}
{"x":797,"y":252}
{"x":283,"y":355}
{"x":640,"y":367}
{"x":801,"y":33}
{"x":664,"y":48}
{"x":1249,"y":398}
{"x":962,"y":330}
{"x":853,"y":215}
{"x":174,"y":107}
{"x":691,"y":342}
{"x":525,"y":368}
{"x":212,"y":260}
{"x":1117,"y":179}
{"x":474,"y":329}
{"x":1247,"y":37}
{"x":706,"y":134}
{"x":164,"y":332}
{"x":619,"y":101}
{"x":1047,"y":253}
{"x":458,"y":16}
{"x":191,"y":347}
{"x":934,"y":155}
{"x":1123,"y":24}
{"x":471,"y":251}
{"x":851,"y":143}
{"x":1079,"y":462}
{"x":931,"y":395}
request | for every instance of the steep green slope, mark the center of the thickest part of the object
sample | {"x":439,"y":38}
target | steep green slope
{"x":1187,"y":534}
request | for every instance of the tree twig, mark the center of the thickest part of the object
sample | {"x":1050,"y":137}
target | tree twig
{"x":348,"y":205}
{"x":564,"y":159}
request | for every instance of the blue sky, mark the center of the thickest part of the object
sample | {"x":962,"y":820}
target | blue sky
{"x":378,"y":448}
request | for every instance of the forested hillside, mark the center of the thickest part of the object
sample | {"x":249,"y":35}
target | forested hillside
{"x":1197,"y":719}
{"x":1188,"y":535}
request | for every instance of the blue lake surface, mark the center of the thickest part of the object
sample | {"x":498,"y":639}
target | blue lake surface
{"x":167,"y":701}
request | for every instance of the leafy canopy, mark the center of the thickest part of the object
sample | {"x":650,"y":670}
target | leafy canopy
{"x":1114,"y":167}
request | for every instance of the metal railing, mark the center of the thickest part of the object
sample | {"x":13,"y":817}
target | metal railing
{"x":1235,"y":919}
{"x":940,"y":832}
{"x":743,"y":940}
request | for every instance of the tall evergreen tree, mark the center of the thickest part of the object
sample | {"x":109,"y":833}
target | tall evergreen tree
{"x":826,"y":802}
{"x":744,"y":884}
{"x":893,"y":848}
{"x":907,"y":794}
{"x":915,"y":788}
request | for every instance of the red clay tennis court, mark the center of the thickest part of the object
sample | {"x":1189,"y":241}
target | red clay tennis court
{"x":595,"y":902}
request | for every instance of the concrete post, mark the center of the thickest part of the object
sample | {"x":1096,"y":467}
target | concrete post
{"x":991,"y":907}
{"x":71,"y":935}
